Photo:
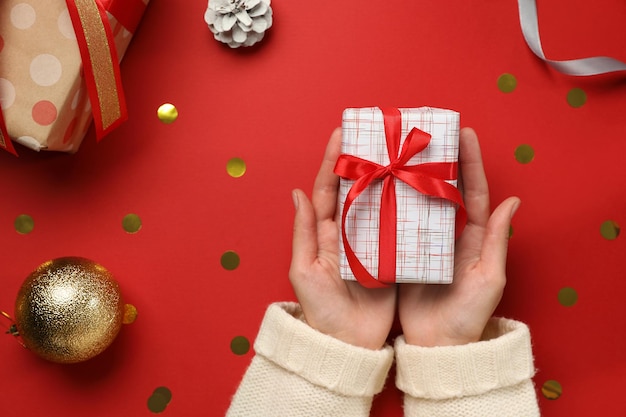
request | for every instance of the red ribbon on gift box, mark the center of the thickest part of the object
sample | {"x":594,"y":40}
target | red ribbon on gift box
{"x":427,"y":178}
{"x":100,"y":60}
{"x":5,"y":140}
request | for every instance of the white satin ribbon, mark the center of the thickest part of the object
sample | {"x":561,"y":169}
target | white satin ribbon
{"x":578,"y":67}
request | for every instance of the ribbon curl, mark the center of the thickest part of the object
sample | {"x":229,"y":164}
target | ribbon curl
{"x":427,"y":178}
{"x":578,"y":67}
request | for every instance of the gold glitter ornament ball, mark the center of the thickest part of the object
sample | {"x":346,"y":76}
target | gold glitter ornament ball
{"x":69,"y":310}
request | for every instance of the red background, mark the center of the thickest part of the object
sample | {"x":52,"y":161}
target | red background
{"x":274,"y":106}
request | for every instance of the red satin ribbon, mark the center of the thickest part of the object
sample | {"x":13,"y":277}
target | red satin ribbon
{"x":99,"y":55}
{"x":428,"y":178}
{"x":5,"y":140}
{"x":100,"y":64}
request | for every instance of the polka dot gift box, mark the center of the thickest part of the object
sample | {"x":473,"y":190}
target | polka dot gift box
{"x":59,"y":69}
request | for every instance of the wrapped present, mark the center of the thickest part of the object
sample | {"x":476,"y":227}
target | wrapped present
{"x":398,"y":198}
{"x":59,"y":69}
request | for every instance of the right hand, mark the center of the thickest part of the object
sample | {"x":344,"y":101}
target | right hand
{"x":341,"y":309}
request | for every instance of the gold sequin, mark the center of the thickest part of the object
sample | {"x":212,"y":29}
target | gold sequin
{"x":609,"y":230}
{"x":576,"y":97}
{"x":159,"y":400}
{"x":551,"y":389}
{"x":131,"y":223}
{"x":507,"y":83}
{"x":240,"y":345}
{"x":24,"y":224}
{"x":524,"y":154}
{"x":230,"y":260}
{"x":130,"y":314}
{"x":236,"y":167}
{"x":567,"y":296}
{"x":167,"y":113}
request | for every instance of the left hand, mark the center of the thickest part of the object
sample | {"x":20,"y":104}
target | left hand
{"x":457,"y":313}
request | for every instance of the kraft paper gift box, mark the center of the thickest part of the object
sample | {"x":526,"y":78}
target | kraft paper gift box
{"x":45,"y":84}
{"x":414,"y":231}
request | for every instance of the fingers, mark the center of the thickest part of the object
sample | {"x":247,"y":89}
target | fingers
{"x":475,"y":187}
{"x":326,"y":183}
{"x":309,"y":215}
{"x":496,"y":239}
{"x":304,"y":245}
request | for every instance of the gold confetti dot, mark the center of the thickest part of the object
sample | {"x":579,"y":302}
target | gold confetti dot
{"x":156,"y":404}
{"x":236,"y":167}
{"x":165,"y":393}
{"x":230,"y":260}
{"x":240,"y":345}
{"x":24,"y":224}
{"x":507,"y":83}
{"x":609,"y":230}
{"x":567,"y":296}
{"x":524,"y":154}
{"x":510,"y":231}
{"x":551,"y":389}
{"x":130,"y":314}
{"x":160,"y":398}
{"x":167,"y":113}
{"x":131,"y":223}
{"x":576,"y":97}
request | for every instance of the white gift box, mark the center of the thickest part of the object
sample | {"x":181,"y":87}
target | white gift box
{"x":425,"y":225}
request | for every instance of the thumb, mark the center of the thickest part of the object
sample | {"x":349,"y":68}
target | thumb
{"x":304,"y":245}
{"x":496,"y":240}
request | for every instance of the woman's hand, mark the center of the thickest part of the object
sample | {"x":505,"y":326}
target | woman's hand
{"x":342,"y":309}
{"x":440,"y":315}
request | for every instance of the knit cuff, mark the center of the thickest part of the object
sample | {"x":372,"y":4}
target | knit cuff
{"x":505,"y":359}
{"x":322,"y":360}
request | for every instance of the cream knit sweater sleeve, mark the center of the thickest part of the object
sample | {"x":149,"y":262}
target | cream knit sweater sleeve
{"x":298,"y":371}
{"x":483,"y":379}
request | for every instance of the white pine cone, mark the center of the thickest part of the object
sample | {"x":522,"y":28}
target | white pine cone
{"x":239,"y":22}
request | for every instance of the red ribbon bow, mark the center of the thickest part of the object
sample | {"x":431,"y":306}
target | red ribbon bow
{"x":427,"y":178}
